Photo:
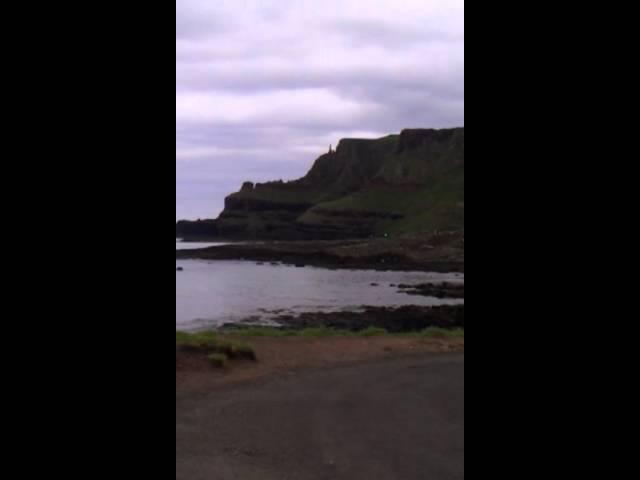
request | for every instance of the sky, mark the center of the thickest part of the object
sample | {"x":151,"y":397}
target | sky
{"x":263,"y":87}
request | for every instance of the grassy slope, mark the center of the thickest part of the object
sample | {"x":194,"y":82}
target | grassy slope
{"x":436,"y":205}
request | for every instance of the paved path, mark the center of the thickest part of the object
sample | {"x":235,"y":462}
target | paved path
{"x":398,"y":419}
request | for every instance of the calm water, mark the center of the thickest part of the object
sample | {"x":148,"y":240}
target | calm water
{"x":209,"y":294}
{"x":194,"y":245}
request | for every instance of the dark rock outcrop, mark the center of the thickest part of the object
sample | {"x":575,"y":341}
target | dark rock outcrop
{"x":196,"y":229}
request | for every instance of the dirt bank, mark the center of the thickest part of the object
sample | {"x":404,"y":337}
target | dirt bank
{"x":281,"y":357}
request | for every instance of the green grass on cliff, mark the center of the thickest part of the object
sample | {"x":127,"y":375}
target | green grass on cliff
{"x":437,"y":205}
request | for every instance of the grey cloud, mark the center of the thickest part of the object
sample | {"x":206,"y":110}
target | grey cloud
{"x":359,"y":32}
{"x":192,"y":22}
{"x":248,"y":70}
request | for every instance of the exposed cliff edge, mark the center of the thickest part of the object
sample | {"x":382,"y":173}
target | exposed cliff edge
{"x":400,"y":184}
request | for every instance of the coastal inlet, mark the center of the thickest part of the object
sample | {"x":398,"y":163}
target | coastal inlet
{"x":210,"y":294}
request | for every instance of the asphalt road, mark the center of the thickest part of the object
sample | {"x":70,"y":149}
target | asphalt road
{"x":399,"y":419}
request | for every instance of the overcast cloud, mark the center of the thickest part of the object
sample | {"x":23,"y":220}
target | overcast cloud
{"x":263,"y":87}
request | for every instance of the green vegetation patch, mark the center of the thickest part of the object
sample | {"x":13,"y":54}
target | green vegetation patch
{"x":214,"y":347}
{"x":321,"y":332}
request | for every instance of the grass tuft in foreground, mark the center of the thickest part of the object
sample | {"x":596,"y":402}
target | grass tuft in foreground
{"x":218,"y":360}
{"x":219,"y":351}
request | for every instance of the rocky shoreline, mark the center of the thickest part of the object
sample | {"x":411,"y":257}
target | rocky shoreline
{"x":442,"y":252}
{"x":436,"y":290}
{"x":437,"y":253}
{"x":392,"y":319}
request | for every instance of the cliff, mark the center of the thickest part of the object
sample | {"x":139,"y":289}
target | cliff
{"x":400,"y":184}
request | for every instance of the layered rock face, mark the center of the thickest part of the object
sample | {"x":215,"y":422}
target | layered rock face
{"x":196,"y":229}
{"x":400,"y":184}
